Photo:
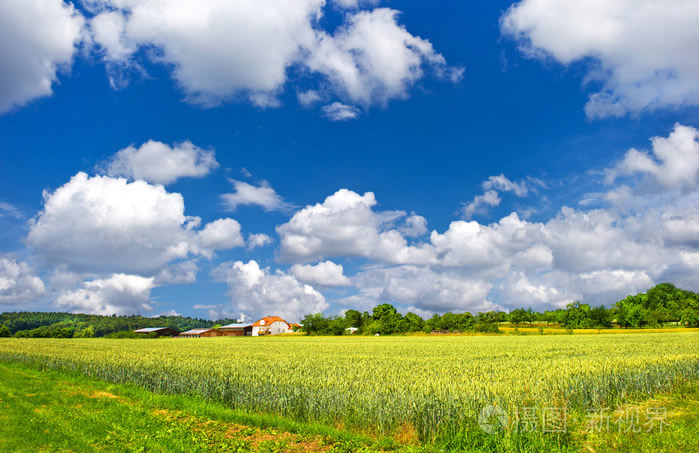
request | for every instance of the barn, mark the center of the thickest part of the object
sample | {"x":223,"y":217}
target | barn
{"x":198,"y":333}
{"x":160,"y":331}
{"x":236,"y":329}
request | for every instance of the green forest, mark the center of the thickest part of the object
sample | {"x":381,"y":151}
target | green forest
{"x":70,"y":325}
{"x":661,"y":305}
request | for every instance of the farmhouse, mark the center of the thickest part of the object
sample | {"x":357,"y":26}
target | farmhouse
{"x":160,"y":331}
{"x":270,"y":325}
{"x":197,"y":333}
{"x":236,"y":329}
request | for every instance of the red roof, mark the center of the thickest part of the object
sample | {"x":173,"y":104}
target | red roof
{"x":268,"y":320}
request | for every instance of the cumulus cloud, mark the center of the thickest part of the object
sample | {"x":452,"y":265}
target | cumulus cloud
{"x":673,"y":162}
{"x":18,"y":282}
{"x":337,"y":111}
{"x":492,"y":187}
{"x":638,"y":71}
{"x":325,"y":273}
{"x":247,"y":194}
{"x":372,"y":59}
{"x":119,"y":294}
{"x":345,"y":224}
{"x":224,"y":50}
{"x":159,"y":163}
{"x":38,"y":38}
{"x":258,"y":240}
{"x":480,"y":202}
{"x":258,"y":292}
{"x":632,"y":239}
{"x":109,"y":225}
{"x":220,"y":234}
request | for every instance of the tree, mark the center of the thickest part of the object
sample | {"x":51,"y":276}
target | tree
{"x":5,"y":331}
{"x":518,"y":316}
{"x":315,"y":324}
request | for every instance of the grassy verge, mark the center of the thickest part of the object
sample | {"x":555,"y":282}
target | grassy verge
{"x":56,"y":411}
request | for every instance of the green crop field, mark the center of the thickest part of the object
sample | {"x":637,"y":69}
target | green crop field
{"x":425,"y":390}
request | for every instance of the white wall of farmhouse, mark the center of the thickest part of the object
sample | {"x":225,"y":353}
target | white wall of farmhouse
{"x":275,"y":328}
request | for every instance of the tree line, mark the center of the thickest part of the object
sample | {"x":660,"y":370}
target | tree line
{"x":661,"y":305}
{"x":70,"y":325}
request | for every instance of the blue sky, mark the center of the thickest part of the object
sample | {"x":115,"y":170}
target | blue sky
{"x":485,"y":149}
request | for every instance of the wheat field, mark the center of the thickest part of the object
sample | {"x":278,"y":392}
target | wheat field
{"x":433,"y":385}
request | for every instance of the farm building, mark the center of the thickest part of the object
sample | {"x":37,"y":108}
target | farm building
{"x":270,"y":325}
{"x":160,"y":331}
{"x":236,"y":329}
{"x":197,"y":333}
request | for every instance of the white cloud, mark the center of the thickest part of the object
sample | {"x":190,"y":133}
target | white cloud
{"x":672,"y":164}
{"x":119,"y":294}
{"x":110,"y":225}
{"x":8,"y":210}
{"x":492,"y":187}
{"x":414,"y":226}
{"x":325,"y":273}
{"x":37,"y":39}
{"x":258,"y":292}
{"x":502,"y":184}
{"x":337,"y":111}
{"x":372,"y":59}
{"x":222,"y":50}
{"x":221,"y":234}
{"x":219,"y":49}
{"x":177,"y":273}
{"x":258,"y":240}
{"x":345,"y":224}
{"x":247,"y":194}
{"x":424,"y":289}
{"x":18,"y":282}
{"x":646,"y":52}
{"x":353,"y":4}
{"x":309,"y":97}
{"x":158,"y":163}
{"x":480,"y":202}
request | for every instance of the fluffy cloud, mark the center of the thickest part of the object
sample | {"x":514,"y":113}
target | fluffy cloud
{"x":372,"y":59}
{"x":257,"y":292}
{"x":37,"y":39}
{"x":672,"y":164}
{"x":248,"y":194}
{"x":638,"y":70}
{"x":222,"y":50}
{"x":219,"y":49}
{"x":18,"y":282}
{"x":258,"y":240}
{"x":220,"y":234}
{"x":325,"y":273}
{"x":159,"y":163}
{"x":346,"y":225}
{"x":632,"y":239}
{"x":109,"y":225}
{"x":119,"y":294}
{"x":337,"y":111}
{"x":492,"y":187}
{"x":480,"y":202}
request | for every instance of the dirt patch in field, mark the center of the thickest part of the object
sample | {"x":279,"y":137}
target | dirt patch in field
{"x":104,"y":395}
